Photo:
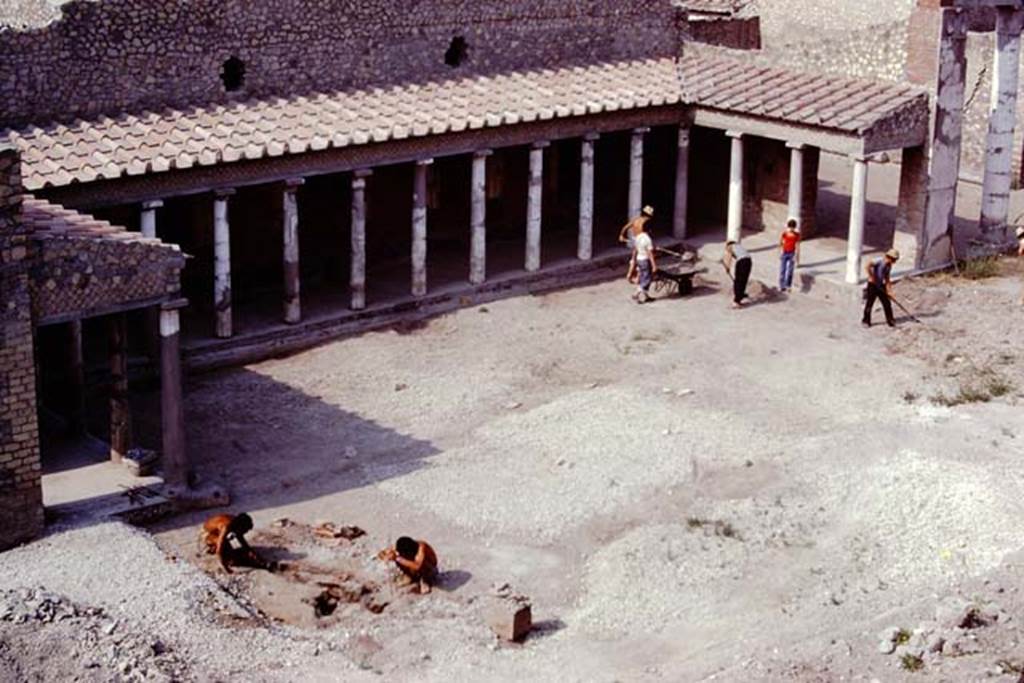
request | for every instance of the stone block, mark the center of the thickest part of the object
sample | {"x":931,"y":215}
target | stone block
{"x":510,"y":618}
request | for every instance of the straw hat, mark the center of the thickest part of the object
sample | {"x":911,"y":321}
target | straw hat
{"x":1020,"y":233}
{"x":893,"y":254}
{"x":648,"y":211}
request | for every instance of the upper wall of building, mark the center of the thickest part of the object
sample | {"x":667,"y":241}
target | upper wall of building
{"x":107,"y":56}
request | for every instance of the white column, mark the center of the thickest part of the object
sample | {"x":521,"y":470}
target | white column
{"x":419,"y":228}
{"x":682,"y":182}
{"x":357,"y":276}
{"x":534,"y":206}
{"x":734,"y":222}
{"x":147,"y":219}
{"x":858,"y":205}
{"x":636,"y":172}
{"x":292,"y":278}
{"x":585,"y":247}
{"x":222,"y":264}
{"x":478,"y":218}
{"x":796,"y":181}
{"x":995,"y":193}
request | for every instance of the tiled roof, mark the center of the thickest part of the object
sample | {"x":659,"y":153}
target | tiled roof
{"x":739,"y":86}
{"x":131,"y":145}
{"x":47,"y":220}
{"x":134,"y":145}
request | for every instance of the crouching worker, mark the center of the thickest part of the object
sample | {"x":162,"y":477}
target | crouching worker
{"x":415,"y":559}
{"x":224,"y":536}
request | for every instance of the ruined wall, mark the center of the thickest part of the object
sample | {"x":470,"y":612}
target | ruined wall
{"x":112,"y":55}
{"x":893,"y":40}
{"x":21,"y":497}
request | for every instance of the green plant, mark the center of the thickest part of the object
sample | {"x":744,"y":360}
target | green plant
{"x":911,"y":662}
{"x":902,"y":636}
{"x":980,"y":268}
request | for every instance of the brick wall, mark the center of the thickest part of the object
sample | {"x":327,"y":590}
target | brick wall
{"x":116,"y":55}
{"x":21,"y":501}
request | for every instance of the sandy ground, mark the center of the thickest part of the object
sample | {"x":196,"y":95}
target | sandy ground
{"x":684,"y":491}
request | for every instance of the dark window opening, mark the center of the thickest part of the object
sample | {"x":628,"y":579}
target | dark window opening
{"x":457,"y":52}
{"x":233,"y":74}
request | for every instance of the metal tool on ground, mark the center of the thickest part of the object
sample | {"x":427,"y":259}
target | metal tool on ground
{"x":676,"y":276}
{"x":904,"y":309}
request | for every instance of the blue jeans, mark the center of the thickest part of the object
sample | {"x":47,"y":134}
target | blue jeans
{"x":645,"y":274}
{"x":786,"y":268}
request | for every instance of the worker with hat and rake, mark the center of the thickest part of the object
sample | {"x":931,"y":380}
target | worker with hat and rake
{"x":879,"y":287}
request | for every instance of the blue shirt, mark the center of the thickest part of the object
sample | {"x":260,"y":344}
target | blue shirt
{"x":881,"y":269}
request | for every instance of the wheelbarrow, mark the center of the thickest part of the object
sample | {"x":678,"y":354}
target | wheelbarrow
{"x":676,"y":272}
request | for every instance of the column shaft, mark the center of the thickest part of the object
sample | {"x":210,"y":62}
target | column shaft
{"x":222,"y":266}
{"x":478,"y":219}
{"x":995,"y":193}
{"x":734,"y":224}
{"x":357,"y":277}
{"x":534,"y":207}
{"x":682,"y":183}
{"x":76,"y":379}
{"x":585,"y":246}
{"x":172,"y":414}
{"x":858,"y":205}
{"x":419,"y":229}
{"x":636,"y":171}
{"x":292,"y":277}
{"x":147,"y":219}
{"x":120,"y":412}
{"x":796,"y":181}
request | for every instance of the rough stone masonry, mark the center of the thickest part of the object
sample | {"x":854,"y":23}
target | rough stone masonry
{"x":21,"y":509}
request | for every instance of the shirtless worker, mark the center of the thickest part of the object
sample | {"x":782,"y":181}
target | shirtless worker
{"x":224,"y":536}
{"x":415,"y":559}
{"x":642,"y":265}
{"x":629,"y":229}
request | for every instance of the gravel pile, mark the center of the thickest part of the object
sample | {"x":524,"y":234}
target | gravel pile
{"x":116,"y":604}
{"x":104,"y":648}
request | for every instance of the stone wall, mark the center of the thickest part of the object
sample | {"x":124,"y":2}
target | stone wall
{"x":21,"y":498}
{"x":738,"y":33}
{"x":82,"y":276}
{"x":117,"y":55}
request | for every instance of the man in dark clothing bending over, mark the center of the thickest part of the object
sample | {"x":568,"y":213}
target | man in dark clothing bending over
{"x":880,"y":287}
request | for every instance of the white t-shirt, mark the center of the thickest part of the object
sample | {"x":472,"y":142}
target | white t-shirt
{"x":644,"y":246}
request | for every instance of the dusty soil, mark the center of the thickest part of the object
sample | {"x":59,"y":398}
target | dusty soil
{"x":684,"y":491}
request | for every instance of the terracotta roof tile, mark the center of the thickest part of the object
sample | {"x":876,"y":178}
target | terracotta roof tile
{"x":156,"y":142}
{"x":739,"y":86}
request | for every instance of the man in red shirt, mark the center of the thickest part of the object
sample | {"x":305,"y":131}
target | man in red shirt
{"x":790,"y":245}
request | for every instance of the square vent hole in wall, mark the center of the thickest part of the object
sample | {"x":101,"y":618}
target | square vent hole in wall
{"x":457,"y":52}
{"x":233,"y":74}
